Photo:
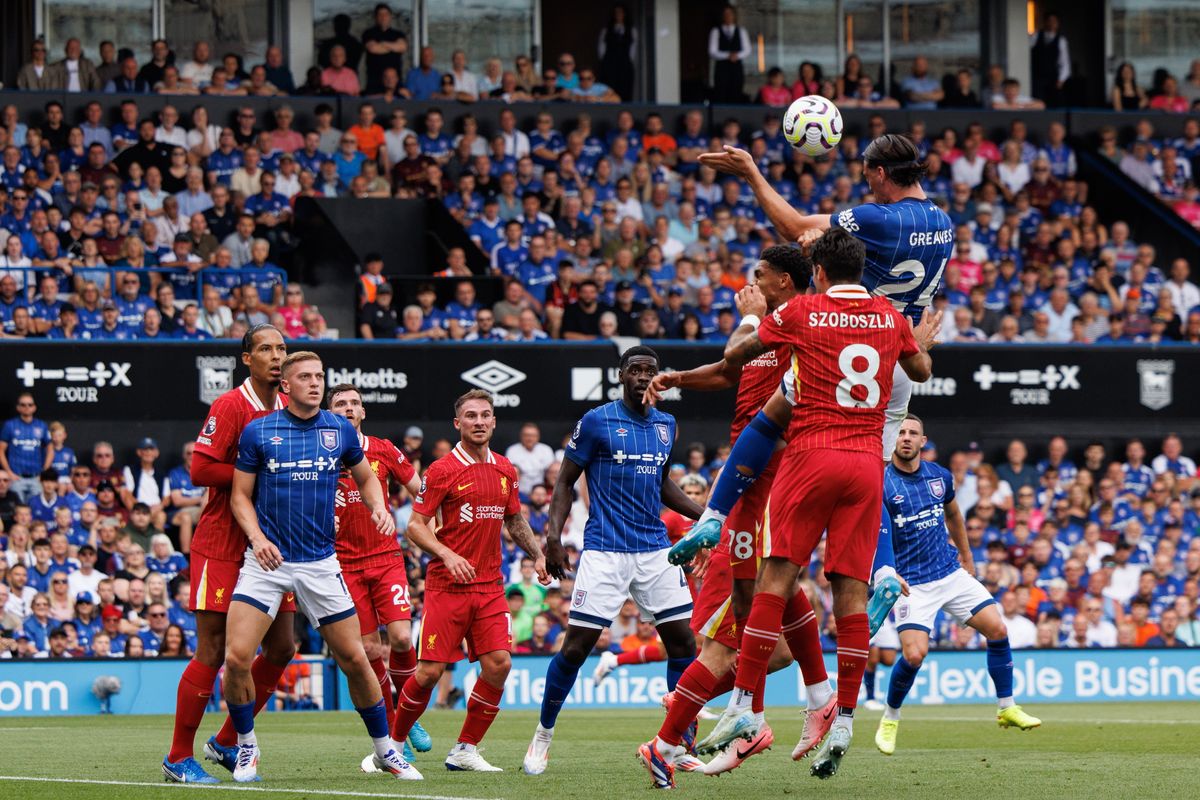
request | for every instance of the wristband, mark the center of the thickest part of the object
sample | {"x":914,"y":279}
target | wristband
{"x":751,"y":319}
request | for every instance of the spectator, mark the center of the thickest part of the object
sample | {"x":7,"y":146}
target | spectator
{"x":531,"y":456}
{"x":385,"y":47}
{"x":728,"y":47}
{"x":75,"y":72}
{"x":1050,"y":62}
{"x":108,"y":68}
{"x":1173,"y":461}
{"x":466,"y":85}
{"x":962,"y":95}
{"x":378,"y":319}
{"x":129,"y":80}
{"x":1167,"y":629}
{"x":1126,"y":95}
{"x":775,"y":92}
{"x":36,"y":74}
{"x":1011,"y":98}
{"x":277,"y":72}
{"x":491,"y":78}
{"x":590,"y":90}
{"x":160,"y":57}
{"x":23,"y":440}
{"x":425,"y":80}
{"x":339,"y":77}
{"x":921,"y":91}
{"x":197,"y":73}
{"x":1169,"y":98}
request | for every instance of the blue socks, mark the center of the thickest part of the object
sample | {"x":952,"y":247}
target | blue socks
{"x":1000,"y":666}
{"x":375,"y":718}
{"x":560,"y":677}
{"x":903,"y":675}
{"x":748,"y":458}
{"x":675,"y":668}
{"x":869,"y":683}
{"x":242,"y":715}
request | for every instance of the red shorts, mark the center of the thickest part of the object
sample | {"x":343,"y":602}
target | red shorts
{"x":481,"y":620}
{"x":712,"y":613}
{"x":742,"y":539}
{"x":380,"y":594}
{"x":212,"y":582}
{"x":827,"y":490}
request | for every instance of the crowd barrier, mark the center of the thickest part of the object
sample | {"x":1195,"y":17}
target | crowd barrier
{"x":61,"y":688}
{"x":1082,"y":123}
{"x":120,"y":381}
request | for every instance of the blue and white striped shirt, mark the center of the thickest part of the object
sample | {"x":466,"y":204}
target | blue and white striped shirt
{"x":625,"y":457}
{"x":908,"y":244}
{"x":914,"y":506}
{"x":297,"y":462}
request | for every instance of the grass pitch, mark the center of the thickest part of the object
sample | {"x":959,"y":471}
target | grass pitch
{"x":1119,"y":750}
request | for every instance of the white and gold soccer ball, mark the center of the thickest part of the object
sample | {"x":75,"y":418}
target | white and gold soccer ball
{"x":813,"y":125}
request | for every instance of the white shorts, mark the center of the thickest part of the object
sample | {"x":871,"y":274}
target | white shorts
{"x":958,"y":593}
{"x":897,"y":409}
{"x":887,"y":637}
{"x":320,"y":591}
{"x":605,"y":580}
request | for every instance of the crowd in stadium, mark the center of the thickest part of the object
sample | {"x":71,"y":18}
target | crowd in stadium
{"x":160,"y":227}
{"x":1097,"y":552}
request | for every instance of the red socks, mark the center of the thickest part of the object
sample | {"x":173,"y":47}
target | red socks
{"x":645,"y":654}
{"x":758,"y":640}
{"x":482,"y":707}
{"x":191,"y":698}
{"x":401,"y":665}
{"x":757,"y":704}
{"x":266,"y":677}
{"x":853,"y":641}
{"x":385,"y":687}
{"x":800,"y":631}
{"x":409,"y":708}
{"x":696,"y":687}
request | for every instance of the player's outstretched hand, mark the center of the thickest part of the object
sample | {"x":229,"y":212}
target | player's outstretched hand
{"x":385,"y":523}
{"x":557,"y":562}
{"x":267,"y":554}
{"x":926,"y":331}
{"x":700,"y":564}
{"x":539,"y":567}
{"x":750,"y":300}
{"x":460,"y":569}
{"x":659,"y":384}
{"x":734,"y":160}
{"x":806,"y":239}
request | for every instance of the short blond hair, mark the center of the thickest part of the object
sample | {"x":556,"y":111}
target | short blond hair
{"x":296,"y":357}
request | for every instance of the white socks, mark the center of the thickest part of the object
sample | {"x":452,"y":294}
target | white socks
{"x":710,"y":514}
{"x":739,"y":702}
{"x":384,"y":745}
{"x":891,"y":713}
{"x":818,"y":694}
{"x":247,"y":738}
{"x":1005,"y":702}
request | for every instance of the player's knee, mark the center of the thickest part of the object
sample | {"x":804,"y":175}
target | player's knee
{"x":494,"y":667}
{"x":401,"y":645}
{"x":428,"y":673}
{"x":998,"y":631}
{"x":915,"y":656}
{"x":238,"y":659}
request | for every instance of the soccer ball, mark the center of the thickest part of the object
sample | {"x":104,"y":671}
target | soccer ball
{"x":813,"y":125}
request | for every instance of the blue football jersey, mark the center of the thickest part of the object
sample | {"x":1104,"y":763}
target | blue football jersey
{"x":297,"y":462}
{"x":908,"y":244}
{"x":915,"y":511}
{"x":624,"y":456}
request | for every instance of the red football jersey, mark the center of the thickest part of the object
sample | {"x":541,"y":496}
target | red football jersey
{"x":217,"y":534}
{"x":470,"y":500}
{"x":758,"y":381}
{"x":359,"y":544}
{"x":845,"y":344}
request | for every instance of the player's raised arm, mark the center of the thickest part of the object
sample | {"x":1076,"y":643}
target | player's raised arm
{"x":744,"y":343}
{"x":557,"y":562}
{"x":372,"y":494}
{"x":421,"y":534}
{"x":788,"y":221}
{"x":708,"y":378}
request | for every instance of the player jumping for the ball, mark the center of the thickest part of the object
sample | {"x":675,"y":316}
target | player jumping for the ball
{"x":284,"y":485}
{"x":845,"y":344}
{"x":908,"y":241}
{"x":373,"y":565}
{"x":728,"y":586}
{"x":919,"y":499}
